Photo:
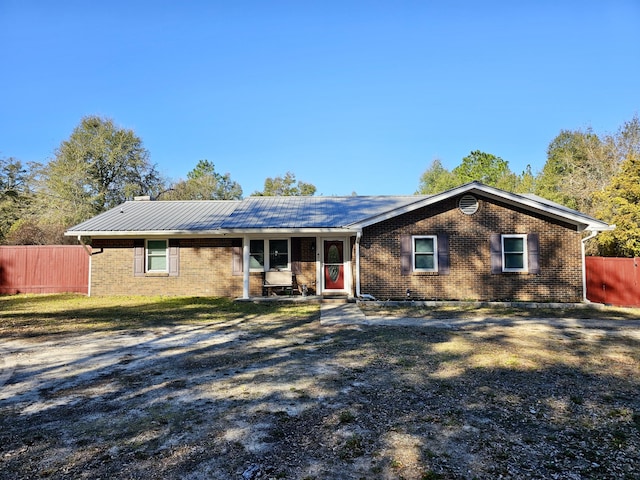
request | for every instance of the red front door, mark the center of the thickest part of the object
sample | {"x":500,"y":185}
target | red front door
{"x":333,"y":265}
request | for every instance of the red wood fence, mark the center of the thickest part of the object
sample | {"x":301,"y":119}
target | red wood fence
{"x":44,"y":269}
{"x":614,"y":281}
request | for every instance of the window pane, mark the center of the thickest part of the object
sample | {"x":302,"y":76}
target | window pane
{"x":513,"y":260}
{"x":514,"y":245}
{"x":256,"y":261}
{"x":156,"y":255}
{"x":256,"y":246}
{"x":278,"y":254}
{"x":157,"y":263}
{"x":424,"y":245}
{"x":156,"y":247}
{"x":256,"y":251}
{"x":424,"y":261}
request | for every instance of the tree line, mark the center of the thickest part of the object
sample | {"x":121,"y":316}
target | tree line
{"x":596,"y":174}
{"x":101,"y":165}
{"x":97,"y":168}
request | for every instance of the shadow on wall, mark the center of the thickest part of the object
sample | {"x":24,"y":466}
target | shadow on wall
{"x":470,"y":276}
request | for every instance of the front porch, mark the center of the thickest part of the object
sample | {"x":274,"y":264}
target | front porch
{"x":296,"y":267}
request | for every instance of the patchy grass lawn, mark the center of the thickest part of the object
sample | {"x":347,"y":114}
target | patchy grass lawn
{"x":471,"y":310}
{"x":206,"y":388}
{"x":43,"y":315}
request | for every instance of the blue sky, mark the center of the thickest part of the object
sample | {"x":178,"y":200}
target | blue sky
{"x":352,"y":96}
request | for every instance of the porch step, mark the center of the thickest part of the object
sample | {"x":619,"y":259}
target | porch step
{"x":336,"y":299}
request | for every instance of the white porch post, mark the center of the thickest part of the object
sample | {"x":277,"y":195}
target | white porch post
{"x":318,"y":265}
{"x":245,"y":267}
{"x":358,"y":236}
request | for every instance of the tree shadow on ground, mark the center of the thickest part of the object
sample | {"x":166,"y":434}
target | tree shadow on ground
{"x":276,"y":395}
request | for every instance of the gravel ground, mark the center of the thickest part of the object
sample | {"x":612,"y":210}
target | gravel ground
{"x":286,"y":397}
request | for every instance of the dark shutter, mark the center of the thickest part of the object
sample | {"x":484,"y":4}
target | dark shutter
{"x":533,"y":253}
{"x":138,"y":258}
{"x":443,"y":254}
{"x":174,"y":257}
{"x":406,"y":262}
{"x":236,"y":248}
{"x":296,"y":255}
{"x":496,"y":253}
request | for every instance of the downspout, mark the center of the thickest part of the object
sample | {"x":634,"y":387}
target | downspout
{"x":593,"y":234}
{"x":88,"y":250}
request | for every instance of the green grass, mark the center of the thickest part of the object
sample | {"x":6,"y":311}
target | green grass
{"x":38,"y":315}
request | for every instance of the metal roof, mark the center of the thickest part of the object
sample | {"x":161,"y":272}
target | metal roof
{"x":145,"y":216}
{"x":294,"y":213}
{"x":537,"y":198}
{"x":311,"y":212}
{"x":249,"y":214}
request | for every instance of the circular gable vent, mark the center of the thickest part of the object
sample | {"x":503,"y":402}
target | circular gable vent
{"x":468,"y":204}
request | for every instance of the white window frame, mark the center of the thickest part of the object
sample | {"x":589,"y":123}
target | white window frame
{"x":414,"y":253}
{"x":267,"y":253}
{"x":147,"y":255}
{"x":264,"y":254}
{"x":524,"y":253}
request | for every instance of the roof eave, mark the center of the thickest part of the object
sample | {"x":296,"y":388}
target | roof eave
{"x":211,"y":233}
{"x":580,"y":221}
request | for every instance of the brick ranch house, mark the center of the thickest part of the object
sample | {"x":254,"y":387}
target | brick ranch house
{"x":473,"y":242}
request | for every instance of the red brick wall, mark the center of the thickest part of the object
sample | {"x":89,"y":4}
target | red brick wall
{"x":307,"y":275}
{"x":470,"y":277}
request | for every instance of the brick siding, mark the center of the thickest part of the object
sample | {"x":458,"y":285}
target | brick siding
{"x":470,"y":277}
{"x":206,"y":265}
{"x":307,"y":275}
{"x":205,"y":269}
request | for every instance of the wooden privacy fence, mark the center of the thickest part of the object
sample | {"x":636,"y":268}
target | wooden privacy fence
{"x":614,"y":281}
{"x":44,"y":269}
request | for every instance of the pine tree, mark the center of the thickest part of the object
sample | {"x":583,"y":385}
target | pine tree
{"x":620,"y":202}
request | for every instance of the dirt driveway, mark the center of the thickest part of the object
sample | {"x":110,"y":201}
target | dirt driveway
{"x":284,"y":396}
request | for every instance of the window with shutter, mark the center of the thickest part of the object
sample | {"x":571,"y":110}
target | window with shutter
{"x":156,"y":256}
{"x":424,"y":253}
{"x":516,"y":253}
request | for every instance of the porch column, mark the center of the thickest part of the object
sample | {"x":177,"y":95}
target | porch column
{"x":245,"y":267}
{"x":358,"y":236}
{"x":318,"y":265}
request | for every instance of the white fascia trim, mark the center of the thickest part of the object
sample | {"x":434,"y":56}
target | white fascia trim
{"x":511,"y":198}
{"x":584,"y":222}
{"x":212,"y":233}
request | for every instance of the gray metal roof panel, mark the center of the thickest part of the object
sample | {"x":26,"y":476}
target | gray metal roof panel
{"x":250,"y":213}
{"x":310,"y":212}
{"x":142,"y":216}
{"x":559,"y":206}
